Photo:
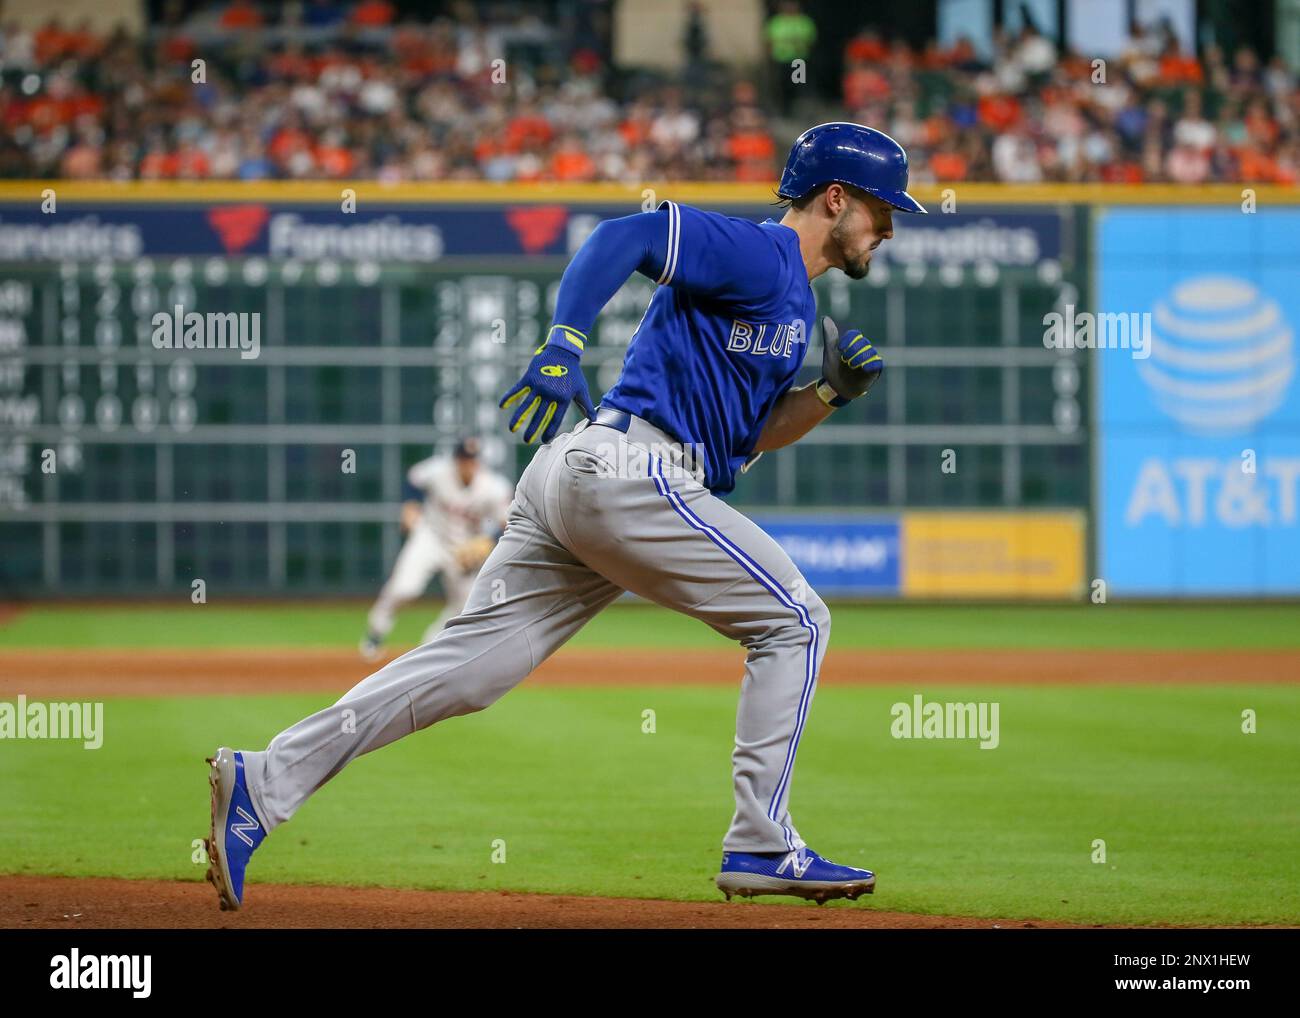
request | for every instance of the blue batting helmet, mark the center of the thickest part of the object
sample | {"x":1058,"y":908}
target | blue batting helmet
{"x":848,"y":154}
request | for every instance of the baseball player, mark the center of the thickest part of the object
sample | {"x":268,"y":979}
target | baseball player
{"x":629,"y":500}
{"x":454,"y":509}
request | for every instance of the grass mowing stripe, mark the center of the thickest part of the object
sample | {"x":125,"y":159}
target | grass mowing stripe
{"x":1199,"y":820}
{"x":883,"y":626}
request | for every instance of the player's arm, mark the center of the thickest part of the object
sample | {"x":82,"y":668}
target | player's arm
{"x":614,"y":250}
{"x":796,"y":413}
{"x":675,"y":245}
{"x":850,"y":366}
{"x":413,"y":491}
{"x":410,"y":516}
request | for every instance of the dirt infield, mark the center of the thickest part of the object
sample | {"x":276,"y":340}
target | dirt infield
{"x":64,"y":903}
{"x":148,"y":672}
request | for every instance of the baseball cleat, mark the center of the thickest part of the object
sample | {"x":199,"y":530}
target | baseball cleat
{"x":802,"y":873}
{"x":371,"y":648}
{"x":236,"y":829}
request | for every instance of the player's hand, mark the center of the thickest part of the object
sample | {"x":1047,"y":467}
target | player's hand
{"x":541,"y":398}
{"x":849,"y":362}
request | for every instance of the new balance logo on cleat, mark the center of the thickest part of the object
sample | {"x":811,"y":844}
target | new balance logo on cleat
{"x":240,"y":830}
{"x":799,"y":862}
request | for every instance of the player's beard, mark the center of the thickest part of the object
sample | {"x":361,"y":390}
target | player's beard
{"x":854,"y":268}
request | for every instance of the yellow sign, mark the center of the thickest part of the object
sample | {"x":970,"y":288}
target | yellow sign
{"x":993,"y":554}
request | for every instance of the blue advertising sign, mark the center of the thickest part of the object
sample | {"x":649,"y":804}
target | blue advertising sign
{"x":1005,"y":239}
{"x":429,"y":233}
{"x":385,"y":233}
{"x":1199,"y":451}
{"x":847,"y":555}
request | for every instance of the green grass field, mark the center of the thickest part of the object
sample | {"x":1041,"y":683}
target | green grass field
{"x":884,"y":625}
{"x":1201,"y":822}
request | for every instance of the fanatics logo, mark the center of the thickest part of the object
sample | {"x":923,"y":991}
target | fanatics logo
{"x":238,"y":225}
{"x":539,"y":226}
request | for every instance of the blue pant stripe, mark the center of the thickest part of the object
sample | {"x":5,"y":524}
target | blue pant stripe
{"x":756,"y":571}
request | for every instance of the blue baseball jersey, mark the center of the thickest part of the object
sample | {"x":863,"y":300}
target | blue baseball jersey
{"x":723,"y":338}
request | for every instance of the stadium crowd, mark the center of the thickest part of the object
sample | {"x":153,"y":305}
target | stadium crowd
{"x":323,"y":89}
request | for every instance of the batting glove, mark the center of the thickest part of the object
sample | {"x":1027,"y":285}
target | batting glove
{"x":850,"y":365}
{"x":541,"y":398}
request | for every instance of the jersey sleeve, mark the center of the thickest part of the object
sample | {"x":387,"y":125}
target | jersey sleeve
{"x":421,"y":475}
{"x":717,"y":256}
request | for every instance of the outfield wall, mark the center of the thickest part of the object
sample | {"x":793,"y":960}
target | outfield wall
{"x":391,"y":317}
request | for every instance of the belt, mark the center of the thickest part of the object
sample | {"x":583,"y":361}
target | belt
{"x":608,"y":417}
{"x":658,"y":441}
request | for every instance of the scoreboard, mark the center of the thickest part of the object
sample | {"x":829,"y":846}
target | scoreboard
{"x":126,"y":467}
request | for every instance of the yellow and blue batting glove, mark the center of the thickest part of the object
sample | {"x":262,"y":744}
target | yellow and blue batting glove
{"x":850,"y":365}
{"x":857,"y":352}
{"x":554,"y":378}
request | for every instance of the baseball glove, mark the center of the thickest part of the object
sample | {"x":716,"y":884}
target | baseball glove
{"x":473,"y":553}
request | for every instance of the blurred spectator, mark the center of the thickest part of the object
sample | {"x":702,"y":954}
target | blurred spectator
{"x":570,"y":162}
{"x":864,"y":82}
{"x":866,"y":48}
{"x":949,"y":164}
{"x":750,"y":146}
{"x":1193,"y":130}
{"x":360,"y":95}
{"x":373,"y":14}
{"x":695,"y":39}
{"x":322,"y":14}
{"x":790,"y":36}
{"x":1178,"y":68}
{"x":17,"y":47}
{"x":241,"y":14}
{"x":1155,"y":113}
{"x":1015,"y":159}
{"x":1187,"y":165}
{"x":1034,"y":53}
{"x":674,"y":127}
